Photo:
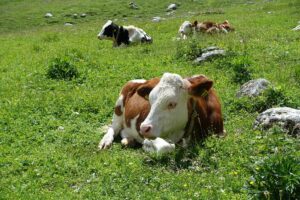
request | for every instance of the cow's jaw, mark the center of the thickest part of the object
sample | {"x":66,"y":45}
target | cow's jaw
{"x":166,"y":120}
{"x":101,"y":35}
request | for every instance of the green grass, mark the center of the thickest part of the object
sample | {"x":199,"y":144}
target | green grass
{"x":39,"y":160}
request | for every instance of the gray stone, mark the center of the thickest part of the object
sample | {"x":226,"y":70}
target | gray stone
{"x":48,"y":15}
{"x":83,"y":15}
{"x":297,"y":28}
{"x":133,"y":5}
{"x":75,"y":16}
{"x":209,"y":53}
{"x":68,"y":24}
{"x":156,"y":19}
{"x":171,"y":7}
{"x":253,"y":88}
{"x":170,"y":13}
{"x":286,"y":118}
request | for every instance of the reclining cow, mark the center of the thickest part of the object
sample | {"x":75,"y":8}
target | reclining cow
{"x":159,"y":113}
{"x":212,"y":27}
{"x":187,"y":28}
{"x":123,"y":34}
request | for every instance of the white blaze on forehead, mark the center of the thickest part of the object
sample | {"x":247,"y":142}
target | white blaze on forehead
{"x":108,"y":23}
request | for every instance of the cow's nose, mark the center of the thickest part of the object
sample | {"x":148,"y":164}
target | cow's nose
{"x":145,"y":129}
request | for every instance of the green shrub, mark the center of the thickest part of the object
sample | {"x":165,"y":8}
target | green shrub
{"x":277,"y":177}
{"x":271,"y":97}
{"x":62,"y":69}
{"x":240,"y":66}
{"x":297,"y":74}
{"x":188,"y":50}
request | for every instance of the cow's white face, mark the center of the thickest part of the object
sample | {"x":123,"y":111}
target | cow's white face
{"x":107,"y":31}
{"x":185,"y":28}
{"x":169,"y":112}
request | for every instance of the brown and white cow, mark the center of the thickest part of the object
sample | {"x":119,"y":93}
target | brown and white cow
{"x":212,"y":27}
{"x":159,"y":113}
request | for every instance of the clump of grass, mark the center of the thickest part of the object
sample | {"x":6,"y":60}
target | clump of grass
{"x":271,"y":97}
{"x":240,"y":66}
{"x":297,"y":74}
{"x":277,"y":177}
{"x":188,"y":50}
{"x":62,"y":69}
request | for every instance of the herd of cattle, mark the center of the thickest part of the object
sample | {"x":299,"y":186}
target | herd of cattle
{"x":161,"y":112}
{"x":131,"y":34}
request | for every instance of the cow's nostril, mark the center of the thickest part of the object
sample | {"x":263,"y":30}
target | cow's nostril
{"x":145,"y":129}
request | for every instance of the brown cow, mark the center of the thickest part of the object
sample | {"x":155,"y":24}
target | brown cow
{"x":212,"y":27}
{"x":159,"y":113}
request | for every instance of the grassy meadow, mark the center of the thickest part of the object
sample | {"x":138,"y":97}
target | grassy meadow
{"x":50,"y":129}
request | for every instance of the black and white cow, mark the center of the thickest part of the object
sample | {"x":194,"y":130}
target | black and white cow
{"x":123,"y":34}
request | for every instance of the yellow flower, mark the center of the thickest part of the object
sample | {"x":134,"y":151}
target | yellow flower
{"x":251,"y":182}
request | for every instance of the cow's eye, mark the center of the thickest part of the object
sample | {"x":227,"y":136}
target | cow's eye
{"x":172,"y":105}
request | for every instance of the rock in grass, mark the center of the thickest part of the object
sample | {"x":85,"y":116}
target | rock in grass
{"x":286,"y":118}
{"x":133,"y":5}
{"x":209,"y":53}
{"x":83,"y":15}
{"x":156,"y":19}
{"x":171,"y":7}
{"x":297,"y":28}
{"x":253,"y":88}
{"x":68,"y":24}
{"x":48,"y":15}
{"x":75,"y":15}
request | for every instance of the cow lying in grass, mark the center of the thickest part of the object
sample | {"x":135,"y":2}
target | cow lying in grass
{"x":159,"y":113}
{"x":187,"y":28}
{"x":123,"y":34}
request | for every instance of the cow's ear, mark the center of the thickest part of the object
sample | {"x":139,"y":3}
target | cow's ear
{"x":145,"y":89}
{"x":199,"y":85}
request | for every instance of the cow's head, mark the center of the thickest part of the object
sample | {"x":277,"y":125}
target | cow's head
{"x":169,"y":103}
{"x":185,"y":28}
{"x":108,"y":31}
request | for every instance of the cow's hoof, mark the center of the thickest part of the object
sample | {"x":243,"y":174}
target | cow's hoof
{"x":148,"y":146}
{"x":106,"y":142}
{"x":128,"y":142}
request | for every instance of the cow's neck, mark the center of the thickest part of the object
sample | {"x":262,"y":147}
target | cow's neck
{"x":194,"y":130}
{"x":121,"y":36}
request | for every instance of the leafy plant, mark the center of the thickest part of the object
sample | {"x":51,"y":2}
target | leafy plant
{"x":240,"y":66}
{"x":269,"y":98}
{"x":277,"y":177}
{"x":188,"y":50}
{"x":62,"y":69}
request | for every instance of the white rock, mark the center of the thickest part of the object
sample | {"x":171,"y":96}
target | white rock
{"x":68,"y":24}
{"x":171,"y":7}
{"x":156,"y":19}
{"x":60,"y":128}
{"x":83,"y":15}
{"x":287,"y":118}
{"x":75,"y":15}
{"x":133,"y":5}
{"x":48,"y":15}
{"x":297,"y":28}
{"x":253,"y":88}
{"x":209,"y":53}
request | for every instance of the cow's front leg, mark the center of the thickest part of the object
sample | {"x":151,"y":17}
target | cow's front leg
{"x":158,"y":145}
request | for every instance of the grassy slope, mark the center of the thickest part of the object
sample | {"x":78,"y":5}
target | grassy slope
{"x":39,"y":161}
